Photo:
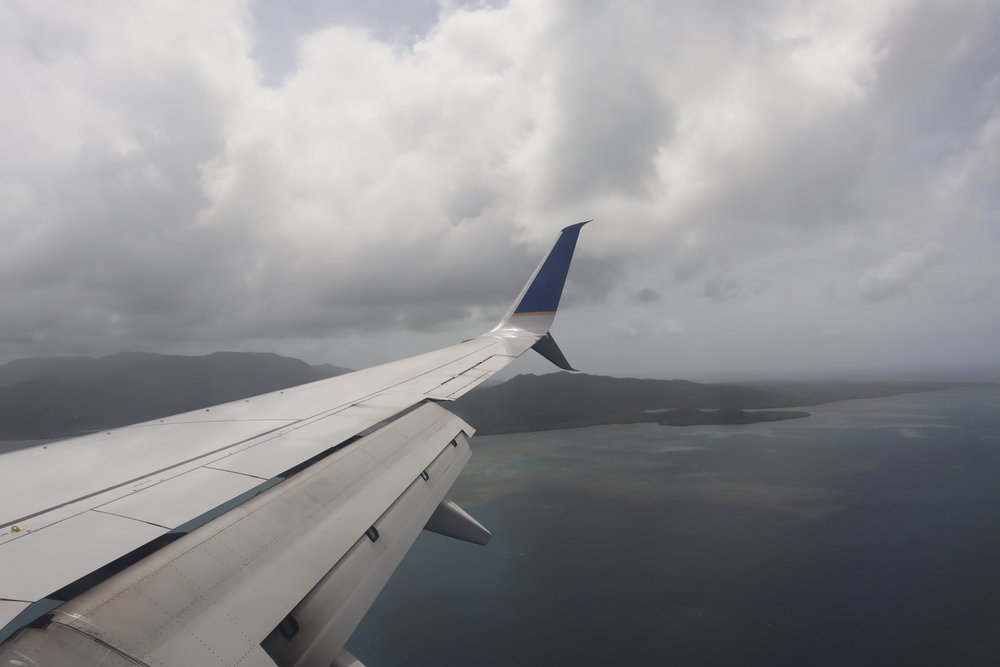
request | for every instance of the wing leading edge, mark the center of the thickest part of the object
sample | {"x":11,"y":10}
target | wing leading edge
{"x":256,"y":532}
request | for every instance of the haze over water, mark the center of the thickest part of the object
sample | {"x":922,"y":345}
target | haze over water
{"x":866,"y":534}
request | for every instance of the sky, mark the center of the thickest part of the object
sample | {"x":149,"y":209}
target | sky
{"x":780,"y":188}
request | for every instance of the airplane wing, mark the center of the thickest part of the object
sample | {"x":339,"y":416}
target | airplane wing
{"x":256,"y":532}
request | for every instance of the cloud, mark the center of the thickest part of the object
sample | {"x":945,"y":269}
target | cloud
{"x":897,"y":274}
{"x":723,"y":289}
{"x":233,"y":175}
{"x":647,"y":295}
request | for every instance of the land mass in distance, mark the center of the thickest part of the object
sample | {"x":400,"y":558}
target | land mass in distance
{"x":60,"y":397}
{"x":571,"y":400}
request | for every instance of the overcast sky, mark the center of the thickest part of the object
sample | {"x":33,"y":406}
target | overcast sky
{"x":779,"y":187}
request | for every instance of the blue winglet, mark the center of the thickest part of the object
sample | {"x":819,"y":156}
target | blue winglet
{"x":535,"y":307}
{"x":542,"y":295}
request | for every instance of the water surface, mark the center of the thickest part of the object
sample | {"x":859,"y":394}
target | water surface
{"x":867,"y":534}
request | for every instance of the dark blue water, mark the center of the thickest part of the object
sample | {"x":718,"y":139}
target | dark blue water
{"x":907,"y":571}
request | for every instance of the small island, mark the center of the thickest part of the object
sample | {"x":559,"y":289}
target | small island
{"x":726,"y":416}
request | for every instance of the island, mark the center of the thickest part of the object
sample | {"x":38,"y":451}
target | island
{"x":726,"y":416}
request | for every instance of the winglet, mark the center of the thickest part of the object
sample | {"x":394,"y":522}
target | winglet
{"x":536,"y":305}
{"x":546,"y":346}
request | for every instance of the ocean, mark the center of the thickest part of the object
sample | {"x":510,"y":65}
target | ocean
{"x":866,"y":534}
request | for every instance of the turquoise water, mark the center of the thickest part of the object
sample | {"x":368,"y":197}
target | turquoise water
{"x":867,"y":534}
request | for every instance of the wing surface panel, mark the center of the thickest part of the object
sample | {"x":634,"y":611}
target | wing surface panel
{"x":65,"y":471}
{"x":221,"y":590}
{"x":284,"y":451}
{"x":182,"y":498}
{"x":68,"y":550}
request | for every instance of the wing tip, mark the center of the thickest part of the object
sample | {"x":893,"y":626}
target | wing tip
{"x":576,"y":225}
